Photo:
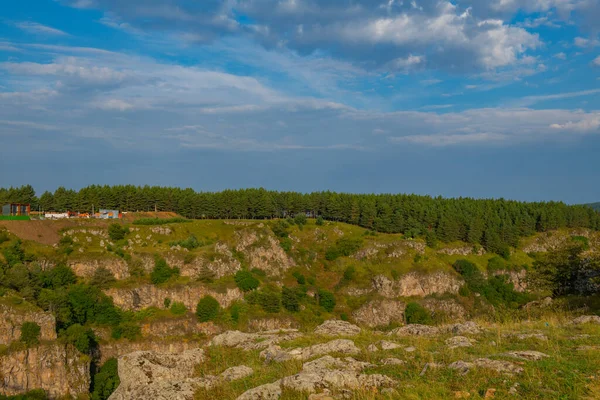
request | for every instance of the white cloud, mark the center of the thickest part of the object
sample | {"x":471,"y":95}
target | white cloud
{"x":589,"y":123}
{"x":39,"y":29}
{"x":583,"y":42}
{"x":597,"y":61}
{"x":450,"y":140}
{"x":530,"y":100}
{"x":114,"y":105}
{"x":560,"y":56}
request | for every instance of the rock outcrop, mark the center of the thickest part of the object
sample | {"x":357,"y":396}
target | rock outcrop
{"x":380,"y":313}
{"x":86,"y":268}
{"x":449,"y":308}
{"x":12,"y":318}
{"x":149,"y":375}
{"x":415,"y":284}
{"x":60,"y":370}
{"x":253,"y":341}
{"x":117,"y":349}
{"x":154,"y":296}
{"x":587,"y":319}
{"x":517,"y":278}
{"x":337,"y":328}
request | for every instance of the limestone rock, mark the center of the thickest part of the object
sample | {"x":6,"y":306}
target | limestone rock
{"x":148,"y":375}
{"x":328,"y":373}
{"x":531,"y":335}
{"x":58,"y":369}
{"x":415,"y":284}
{"x":152,"y":296}
{"x":504,"y":367}
{"x":13,"y":317}
{"x":372,"y":348}
{"x":415,"y":330}
{"x":459,"y":341}
{"x":343,"y":346}
{"x":117,"y":349}
{"x":380,"y":313}
{"x":450,"y":308}
{"x":271,"y":391}
{"x":587,"y":319}
{"x":337,"y":328}
{"x":85,"y":268}
{"x":467,"y":328}
{"x":527,"y":355}
{"x":235,"y":373}
{"x":544,"y":303}
{"x":253,"y":341}
{"x":461,"y":366}
{"x":385,"y":345}
{"x":393,"y":361}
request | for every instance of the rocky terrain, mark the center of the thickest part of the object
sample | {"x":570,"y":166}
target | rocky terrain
{"x":339,"y":360}
{"x":319,"y":312}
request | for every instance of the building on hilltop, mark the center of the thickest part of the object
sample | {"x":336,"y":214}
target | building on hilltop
{"x":109,"y":214}
{"x":16,"y":210}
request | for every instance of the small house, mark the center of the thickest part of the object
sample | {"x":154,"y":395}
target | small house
{"x":16,"y":210}
{"x":109,"y":214}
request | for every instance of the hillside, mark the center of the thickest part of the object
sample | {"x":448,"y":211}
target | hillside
{"x":151,"y":284}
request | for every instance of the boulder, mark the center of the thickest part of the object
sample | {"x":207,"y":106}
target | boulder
{"x":385,"y":345}
{"x":253,"y":341}
{"x":337,"y":328}
{"x":415,"y":330}
{"x":343,"y":346}
{"x":527,"y":355}
{"x":587,"y":319}
{"x":270,"y":391}
{"x":380,"y":313}
{"x":459,"y":341}
{"x":467,"y":328}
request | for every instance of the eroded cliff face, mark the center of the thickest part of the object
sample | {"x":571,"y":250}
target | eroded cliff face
{"x":152,"y":296}
{"x":416,"y":284}
{"x":12,"y":318}
{"x":86,"y":268}
{"x":380,"y":313}
{"x":186,"y":326}
{"x":517,"y":278}
{"x":118,"y":349}
{"x":58,"y":369}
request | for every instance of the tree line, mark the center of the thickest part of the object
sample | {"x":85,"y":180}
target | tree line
{"x":495,"y":224}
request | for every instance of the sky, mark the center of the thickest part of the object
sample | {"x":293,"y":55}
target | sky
{"x":471,"y":98}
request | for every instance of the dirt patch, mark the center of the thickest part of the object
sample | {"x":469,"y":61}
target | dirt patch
{"x":44,"y":232}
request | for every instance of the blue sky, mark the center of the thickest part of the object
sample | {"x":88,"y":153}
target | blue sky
{"x":481,"y":98}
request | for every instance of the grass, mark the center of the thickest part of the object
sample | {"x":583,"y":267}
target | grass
{"x":14,"y":218}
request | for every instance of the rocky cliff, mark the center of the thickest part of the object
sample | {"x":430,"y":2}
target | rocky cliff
{"x":152,"y":296}
{"x":165,"y":346}
{"x":415,"y":284}
{"x":58,"y":369}
{"x":11,"y":319}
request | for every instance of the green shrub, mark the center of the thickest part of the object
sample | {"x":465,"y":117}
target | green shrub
{"x":344,"y":247}
{"x":102,"y":278}
{"x":178,"y":308}
{"x":310,"y":280}
{"x":581,"y":240}
{"x":286,"y":244}
{"x":207,"y":309}
{"x":344,"y":317}
{"x":106,"y":380}
{"x":117,"y":231}
{"x":496,"y":264}
{"x":127,"y":330}
{"x":162,"y":272}
{"x":280,"y":228}
{"x":289,"y":300}
{"x":270,"y":301}
{"x":246,"y":281}
{"x":190,"y":243}
{"x":30,"y":333}
{"x":4,"y":237}
{"x":326,"y":300}
{"x":65,"y":241}
{"x":82,"y":338}
{"x":320,"y":221}
{"x":167,"y":302}
{"x":395,"y":275}
{"x":299,"y":278}
{"x":417,"y":314}
{"x":258,"y":272}
{"x":349,"y":273}
{"x":464,"y":291}
{"x":58,"y":277}
{"x":300,"y":219}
